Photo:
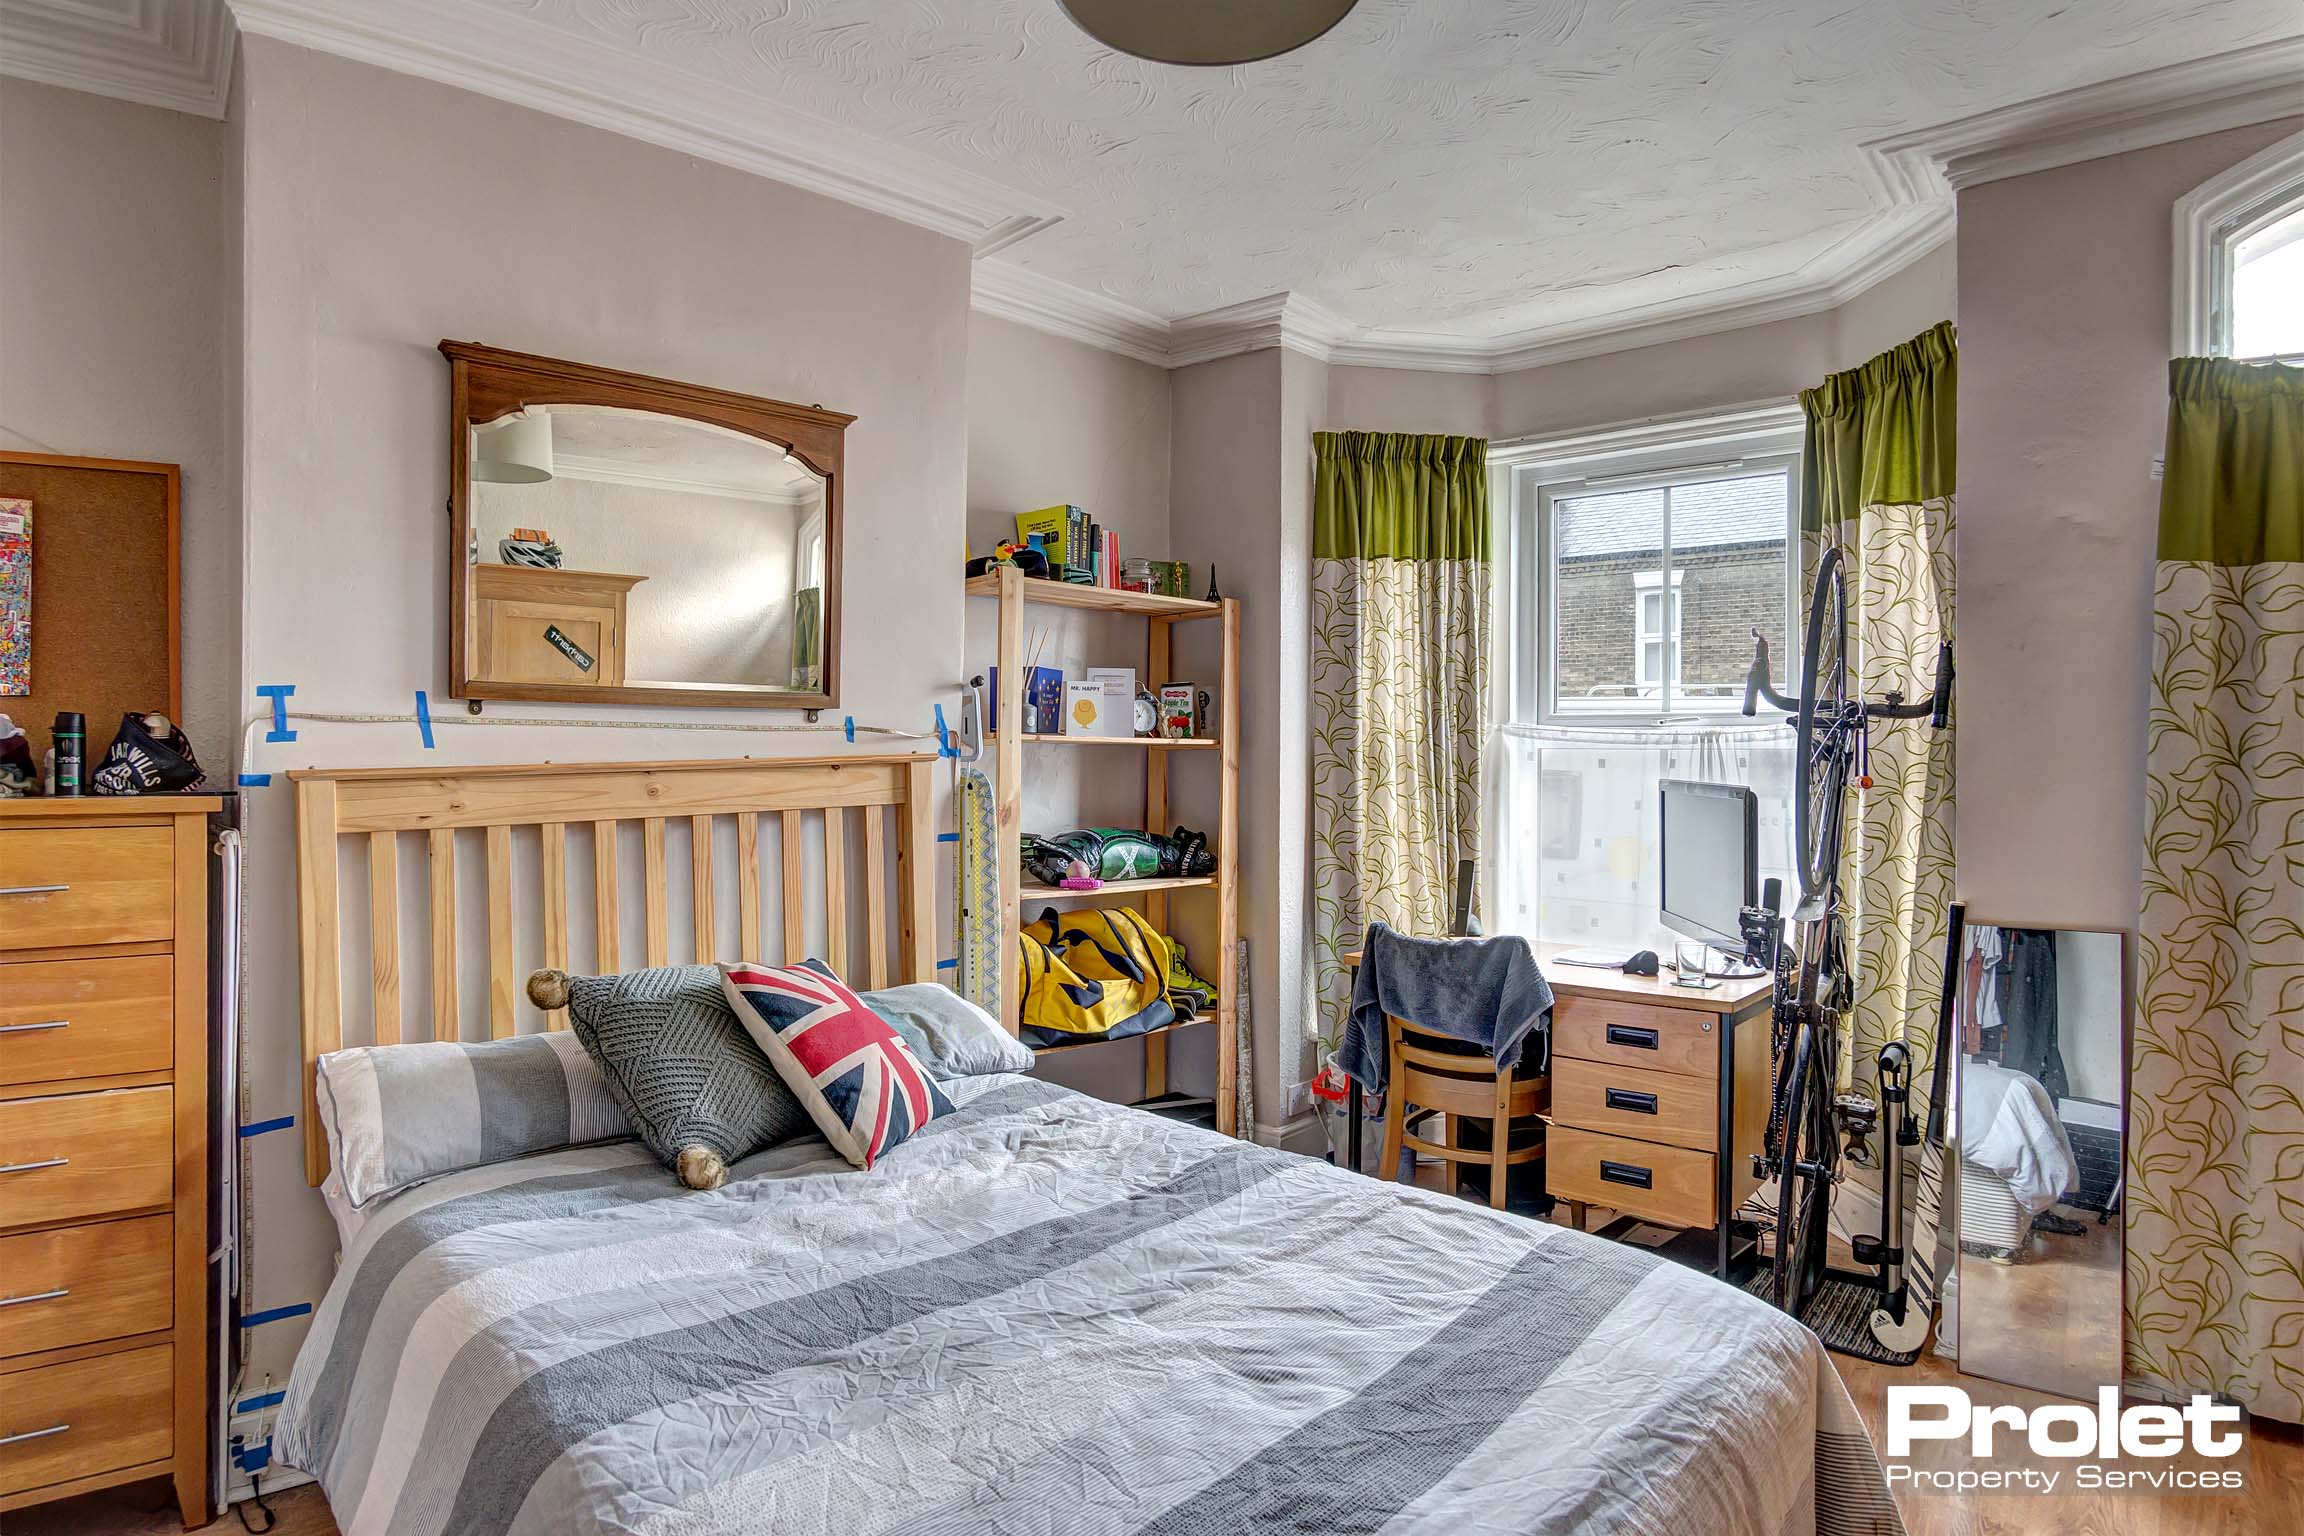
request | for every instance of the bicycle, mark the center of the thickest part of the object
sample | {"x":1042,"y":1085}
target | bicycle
{"x":1802,"y":1146}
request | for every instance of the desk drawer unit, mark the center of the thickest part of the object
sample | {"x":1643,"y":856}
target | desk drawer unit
{"x":1627,"y":1101}
{"x":1638,"y":1035}
{"x":103,"y":1147}
{"x":1639,"y":1178}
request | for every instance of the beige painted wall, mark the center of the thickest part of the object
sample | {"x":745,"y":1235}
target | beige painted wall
{"x":1404,"y":400}
{"x":1758,"y":362}
{"x":1054,"y":421}
{"x":2064,"y":307}
{"x":384,"y":213}
{"x":112,"y":294}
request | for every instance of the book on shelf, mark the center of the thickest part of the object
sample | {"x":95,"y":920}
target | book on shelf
{"x":1063,"y":536}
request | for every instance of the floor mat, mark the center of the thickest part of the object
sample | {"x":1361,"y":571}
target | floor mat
{"x":1841,"y":1315}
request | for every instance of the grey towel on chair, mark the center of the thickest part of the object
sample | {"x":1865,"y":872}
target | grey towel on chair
{"x":1487,"y":992}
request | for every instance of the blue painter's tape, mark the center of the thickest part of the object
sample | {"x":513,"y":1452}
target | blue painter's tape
{"x":254,"y":780}
{"x":254,"y":1458}
{"x":424,"y":717}
{"x":259,"y":1127}
{"x":274,"y":1315}
{"x":278,"y":693}
{"x":260,"y":1400}
{"x":848,"y":724}
{"x":947,"y":837}
{"x":944,"y":747}
{"x":948,"y":965}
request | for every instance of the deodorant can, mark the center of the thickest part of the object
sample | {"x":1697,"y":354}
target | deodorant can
{"x":71,"y":739}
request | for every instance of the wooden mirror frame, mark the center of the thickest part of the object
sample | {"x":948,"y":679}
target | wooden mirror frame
{"x":486,"y":384}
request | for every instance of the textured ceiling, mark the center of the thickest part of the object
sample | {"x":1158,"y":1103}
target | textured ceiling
{"x":1465,"y":167}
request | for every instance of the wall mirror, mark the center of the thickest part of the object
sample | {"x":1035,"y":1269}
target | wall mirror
{"x":2038,"y":1123}
{"x":627,"y":539}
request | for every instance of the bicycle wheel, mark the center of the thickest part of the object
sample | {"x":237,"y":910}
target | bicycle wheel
{"x":1803,"y":1194}
{"x":1823,"y":775}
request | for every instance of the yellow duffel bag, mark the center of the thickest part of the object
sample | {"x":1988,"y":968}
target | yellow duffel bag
{"x":1095,"y":975}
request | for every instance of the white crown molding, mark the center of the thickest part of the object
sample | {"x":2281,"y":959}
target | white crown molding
{"x":2259,"y":84}
{"x":175,"y":54}
{"x":672,"y":478}
{"x":1007,"y":291}
{"x":2207,"y":220}
{"x":481,"y":49}
{"x":1879,"y":249}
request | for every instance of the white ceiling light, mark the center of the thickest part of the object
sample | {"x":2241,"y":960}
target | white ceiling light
{"x":1206,"y":31}
{"x":516,"y":451}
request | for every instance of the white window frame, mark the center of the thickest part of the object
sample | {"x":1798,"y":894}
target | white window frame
{"x":2209,"y":221}
{"x":1527,"y":475}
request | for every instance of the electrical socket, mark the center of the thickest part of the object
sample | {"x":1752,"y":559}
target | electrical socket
{"x":250,"y":1446}
{"x":1299,"y":1099}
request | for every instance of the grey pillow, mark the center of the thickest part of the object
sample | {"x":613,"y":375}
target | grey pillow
{"x":951,"y":1035}
{"x":699,"y":1093}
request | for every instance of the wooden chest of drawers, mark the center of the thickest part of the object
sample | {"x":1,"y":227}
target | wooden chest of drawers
{"x":104,"y":1146}
{"x":1658,"y":1100}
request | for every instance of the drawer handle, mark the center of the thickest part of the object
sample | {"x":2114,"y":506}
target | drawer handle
{"x":19,"y":1301}
{"x":1635,"y":1103}
{"x":1627,"y":1173}
{"x":1632,"y":1035}
{"x":34,"y":1434}
{"x":50,"y":1162}
{"x":26,"y":1029}
{"x":31,"y":890}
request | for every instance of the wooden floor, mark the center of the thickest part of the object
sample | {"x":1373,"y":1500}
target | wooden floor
{"x":2051,"y":1319}
{"x":2273,"y":1506}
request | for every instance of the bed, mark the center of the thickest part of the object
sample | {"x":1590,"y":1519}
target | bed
{"x":1043,"y":1314}
{"x":2015,"y":1157}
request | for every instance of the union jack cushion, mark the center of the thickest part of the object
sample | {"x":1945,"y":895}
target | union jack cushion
{"x":861,"y":1084}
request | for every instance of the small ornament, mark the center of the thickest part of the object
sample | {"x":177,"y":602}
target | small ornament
{"x":1214,"y":596}
{"x":1077,"y":878}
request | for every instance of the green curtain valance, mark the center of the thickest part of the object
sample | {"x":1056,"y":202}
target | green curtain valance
{"x":1882,"y":434}
{"x":1399,"y":496}
{"x":2233,"y":489}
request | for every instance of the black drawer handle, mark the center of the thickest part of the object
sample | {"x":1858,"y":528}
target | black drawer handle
{"x":1636,"y":1103}
{"x":1637,"y":1038}
{"x":1626,"y":1173}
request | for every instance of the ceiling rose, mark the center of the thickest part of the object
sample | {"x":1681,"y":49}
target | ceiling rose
{"x":1206,"y":31}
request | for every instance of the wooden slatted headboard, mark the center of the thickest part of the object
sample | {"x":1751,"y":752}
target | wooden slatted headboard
{"x":376,"y":807}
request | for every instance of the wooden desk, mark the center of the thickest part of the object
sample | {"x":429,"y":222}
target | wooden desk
{"x":1659,"y":1102}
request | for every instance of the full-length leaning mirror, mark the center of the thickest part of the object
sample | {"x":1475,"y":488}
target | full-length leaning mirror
{"x":2038,"y":1126}
{"x":628,"y":539}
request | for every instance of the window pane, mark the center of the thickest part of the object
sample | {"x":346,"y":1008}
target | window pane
{"x":1729,"y":574}
{"x":1600,"y":545}
{"x":2268,"y":290}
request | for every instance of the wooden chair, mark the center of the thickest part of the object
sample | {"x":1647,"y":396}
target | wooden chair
{"x":1431,"y":1072}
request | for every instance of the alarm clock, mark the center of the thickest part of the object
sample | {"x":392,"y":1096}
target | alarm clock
{"x":1147,"y":712}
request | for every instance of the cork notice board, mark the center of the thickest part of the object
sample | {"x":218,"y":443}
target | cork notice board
{"x":104,"y":620}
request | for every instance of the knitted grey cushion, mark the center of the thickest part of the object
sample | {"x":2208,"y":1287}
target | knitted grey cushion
{"x":682,"y":1069}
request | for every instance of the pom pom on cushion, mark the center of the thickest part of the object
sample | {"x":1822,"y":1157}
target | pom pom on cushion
{"x":861,"y":1084}
{"x":689,"y":1078}
{"x":548,"y":990}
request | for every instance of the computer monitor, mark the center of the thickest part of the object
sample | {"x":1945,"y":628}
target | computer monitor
{"x":1710,"y":855}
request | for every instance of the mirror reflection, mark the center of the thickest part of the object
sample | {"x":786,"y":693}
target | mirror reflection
{"x":614,"y":547}
{"x":2038,"y":1127}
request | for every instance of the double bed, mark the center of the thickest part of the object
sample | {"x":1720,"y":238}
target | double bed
{"x":1042,"y":1314}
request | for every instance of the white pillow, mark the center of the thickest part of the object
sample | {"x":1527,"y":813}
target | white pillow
{"x":397,"y":1115}
{"x":951,"y":1035}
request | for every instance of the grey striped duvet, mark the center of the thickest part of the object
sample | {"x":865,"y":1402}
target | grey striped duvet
{"x":1045,"y":1315}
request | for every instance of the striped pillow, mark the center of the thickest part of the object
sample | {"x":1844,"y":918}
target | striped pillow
{"x":397,"y":1115}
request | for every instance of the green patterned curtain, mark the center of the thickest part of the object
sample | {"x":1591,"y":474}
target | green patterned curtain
{"x":2215,"y":1192}
{"x":1400,"y":665}
{"x":1877,"y":481}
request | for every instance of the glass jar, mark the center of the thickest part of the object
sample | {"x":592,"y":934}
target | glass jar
{"x":1136,"y":574}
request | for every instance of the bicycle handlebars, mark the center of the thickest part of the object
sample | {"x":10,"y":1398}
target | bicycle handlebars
{"x":1933,"y":708}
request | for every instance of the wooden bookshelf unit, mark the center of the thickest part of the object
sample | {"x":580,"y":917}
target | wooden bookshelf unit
{"x":1014,"y":591}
